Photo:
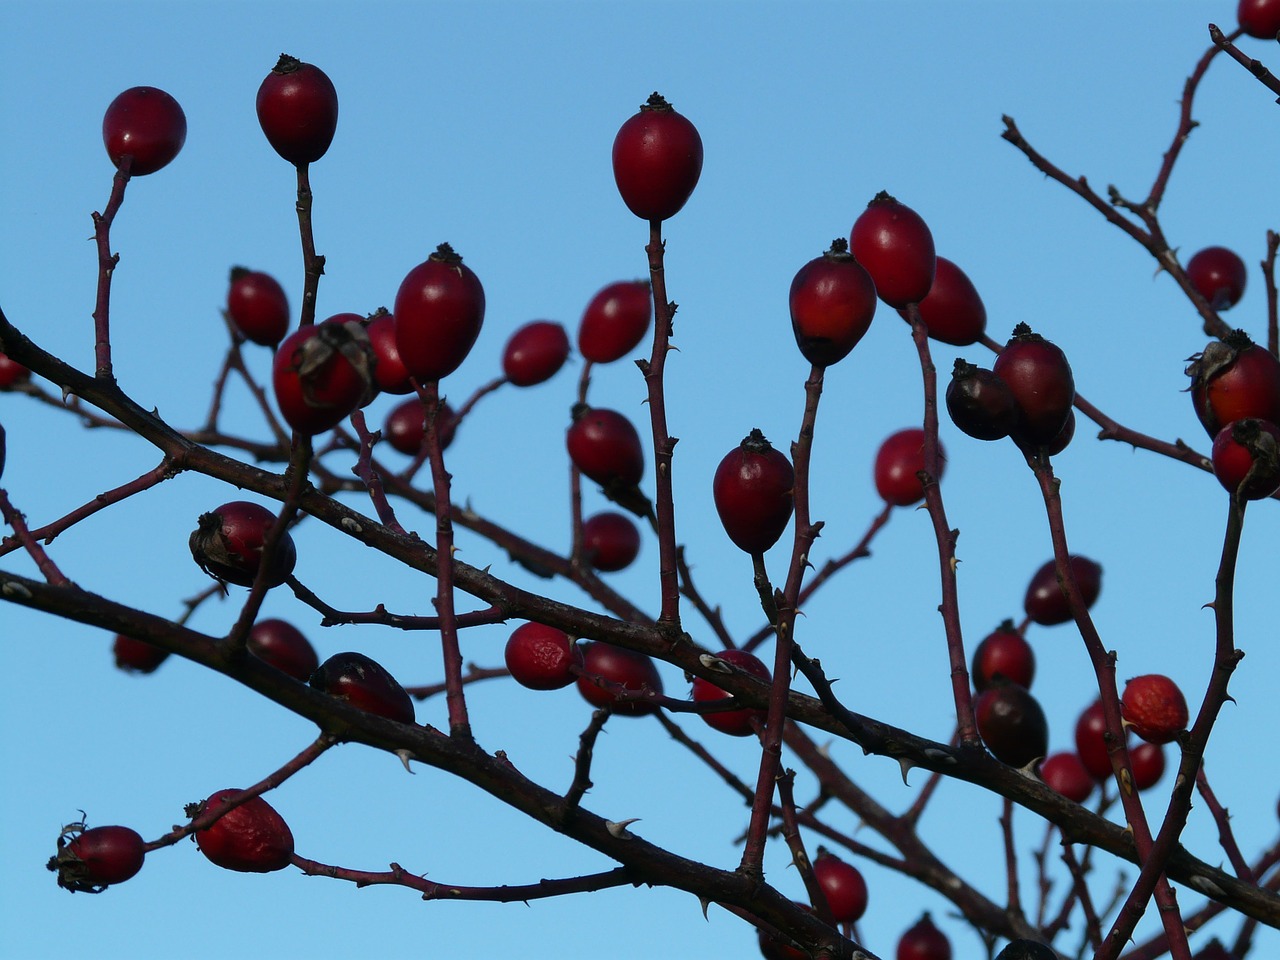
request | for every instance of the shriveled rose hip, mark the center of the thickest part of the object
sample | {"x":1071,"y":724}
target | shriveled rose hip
{"x":1154,"y":707}
{"x":541,"y":657}
{"x":250,"y":838}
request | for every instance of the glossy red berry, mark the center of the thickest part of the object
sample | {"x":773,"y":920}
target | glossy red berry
{"x":924,"y":941}
{"x":364,"y":683}
{"x":899,"y":461}
{"x":605,"y":447}
{"x":1219,"y":275}
{"x":1147,"y":763}
{"x":1003,"y":654}
{"x":1234,"y":379}
{"x":1039,"y":377}
{"x":283,"y":645}
{"x":535,"y":353}
{"x":1092,"y":741}
{"x":298,"y":110}
{"x":406,"y":426}
{"x":617,"y":665}
{"x":227,"y":544}
{"x":753,"y":488}
{"x":439,"y":311}
{"x":980,"y":403}
{"x":1012,"y":724}
{"x":250,"y":838}
{"x":542,"y":658}
{"x":657,"y":159}
{"x":137,"y":656}
{"x":843,"y":886}
{"x":389,"y":371}
{"x":1154,"y":708}
{"x":895,"y":246}
{"x":615,"y":321}
{"x":736,"y":723}
{"x":1046,"y":602}
{"x":89,"y":861}
{"x":257,"y":306}
{"x":832,"y":303}
{"x":322,"y":374}
{"x":146,"y":125}
{"x":12,"y":373}
{"x":1066,"y":774}
{"x":1259,"y":18}
{"x":953,"y":312}
{"x":1246,"y":458}
{"x":610,"y":541}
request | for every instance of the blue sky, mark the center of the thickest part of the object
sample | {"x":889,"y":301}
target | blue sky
{"x":489,"y":125}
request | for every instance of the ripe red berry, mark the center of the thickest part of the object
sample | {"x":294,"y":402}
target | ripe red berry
{"x":389,"y":372}
{"x":1154,"y":707}
{"x":898,"y":463}
{"x":137,"y":656}
{"x":1259,"y":18}
{"x":1039,"y":377}
{"x":541,"y":657}
{"x":657,"y":159}
{"x":298,"y":110}
{"x":1065,"y":773}
{"x":1012,"y":724}
{"x":1234,"y":379}
{"x":257,"y":306}
{"x":924,"y":941}
{"x":953,"y":312}
{"x":250,"y":838}
{"x":1246,"y":458}
{"x":843,"y":886}
{"x":1059,"y":443}
{"x":406,"y":427}
{"x":12,"y":373}
{"x":895,"y":246}
{"x":1219,"y":275}
{"x":146,"y":125}
{"x":439,"y":310}
{"x":323,"y":373}
{"x":610,"y":541}
{"x":1046,"y":602}
{"x":832,"y":303}
{"x":605,"y":447}
{"x":364,"y":683}
{"x":535,"y":353}
{"x":753,"y":490}
{"x":615,"y":321}
{"x":617,"y":665}
{"x":736,"y":723}
{"x":283,"y":645}
{"x":227,"y":544}
{"x":1147,"y":762}
{"x":1092,"y":741}
{"x":980,"y":403}
{"x":1003,"y":653}
{"x":89,"y":861}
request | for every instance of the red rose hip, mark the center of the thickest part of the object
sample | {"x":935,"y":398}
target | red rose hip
{"x":953,"y":312}
{"x":1039,"y":377}
{"x":283,"y":645}
{"x":1003,"y":653}
{"x":323,"y":373}
{"x":541,"y":657}
{"x":832,"y":302}
{"x":389,"y":372}
{"x":753,"y":488}
{"x":364,"y":683}
{"x":439,"y":311}
{"x":657,"y":159}
{"x":1147,"y":763}
{"x":12,"y":373}
{"x":146,"y":125}
{"x":605,"y":446}
{"x":89,"y":861}
{"x":249,"y":838}
{"x":615,"y":321}
{"x":898,"y":464}
{"x":1234,"y":379}
{"x":298,"y":110}
{"x":1046,"y":602}
{"x":924,"y":941}
{"x":1259,"y":18}
{"x":1092,"y":741}
{"x":895,"y":246}
{"x":1012,"y":724}
{"x":610,"y":541}
{"x":1154,"y":708}
{"x":1246,"y":458}
{"x":736,"y":723}
{"x":535,"y":353}
{"x":617,"y":665}
{"x":843,"y":886}
{"x":257,"y":306}
{"x":1219,"y":275}
{"x":137,"y":656}
{"x":1066,"y":774}
{"x":406,"y":426}
{"x":228,"y":542}
{"x":980,"y":403}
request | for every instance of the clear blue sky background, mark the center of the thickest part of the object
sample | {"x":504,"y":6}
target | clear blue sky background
{"x":489,"y":125}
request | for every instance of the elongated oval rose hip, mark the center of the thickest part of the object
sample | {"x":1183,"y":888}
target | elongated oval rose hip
{"x":439,"y":310}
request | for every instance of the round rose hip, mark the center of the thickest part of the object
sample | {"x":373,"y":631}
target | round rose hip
{"x":1012,"y":724}
{"x":1003,"y":653}
{"x":736,"y":723}
{"x":753,"y":493}
{"x":615,"y":321}
{"x":89,"y":861}
{"x":617,"y":665}
{"x":1246,"y":458}
{"x":1039,"y":377}
{"x":1233,"y":379}
{"x":257,"y":306}
{"x":1259,"y":18}
{"x":323,"y":373}
{"x":137,"y":656}
{"x":1219,"y":275}
{"x":924,"y":941}
{"x":605,"y":446}
{"x":895,"y":246}
{"x":1066,"y":774}
{"x":406,"y":426}
{"x":535,"y":353}
{"x":228,"y":542}
{"x":250,"y":838}
{"x":898,"y":464}
{"x":298,"y":110}
{"x":657,"y":159}
{"x":541,"y":657}
{"x":1147,"y":761}
{"x":843,"y":886}
{"x":146,"y":125}
{"x":832,"y":303}
{"x":283,"y":645}
{"x":1046,"y":601}
{"x":1154,"y":707}
{"x":980,"y":403}
{"x":610,"y":541}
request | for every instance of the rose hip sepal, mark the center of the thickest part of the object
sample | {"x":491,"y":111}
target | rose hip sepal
{"x":832,"y":303}
{"x":895,"y":246}
{"x":147,"y":126}
{"x":323,"y":373}
{"x":364,"y":683}
{"x":657,"y":160}
{"x":228,"y":542}
{"x":439,"y":310}
{"x":250,"y":838}
{"x":1154,"y":708}
{"x":298,"y":110}
{"x":753,"y":489}
{"x":90,"y":860}
{"x":736,"y":723}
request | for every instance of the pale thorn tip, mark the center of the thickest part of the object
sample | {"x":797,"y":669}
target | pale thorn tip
{"x":405,"y":756}
{"x":906,"y":766}
{"x":618,"y":828}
